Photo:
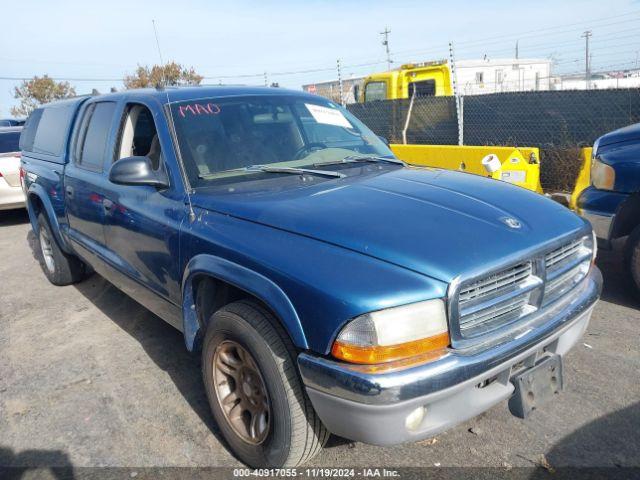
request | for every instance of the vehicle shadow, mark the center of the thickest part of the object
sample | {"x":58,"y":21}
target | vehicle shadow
{"x":616,"y":286}
{"x":605,"y":442}
{"x":34,"y":464}
{"x":13,"y":217}
{"x":162,"y":343}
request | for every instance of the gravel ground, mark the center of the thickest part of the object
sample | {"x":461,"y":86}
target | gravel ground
{"x":90,"y":378}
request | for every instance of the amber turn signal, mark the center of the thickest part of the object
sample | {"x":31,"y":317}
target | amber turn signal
{"x":371,"y":355}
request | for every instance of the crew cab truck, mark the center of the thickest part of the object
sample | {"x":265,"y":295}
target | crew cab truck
{"x":612,"y":200}
{"x":327,"y":286}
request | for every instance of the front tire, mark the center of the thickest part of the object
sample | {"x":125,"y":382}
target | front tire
{"x":60,"y":268}
{"x":632,"y":260}
{"x":255,"y":393}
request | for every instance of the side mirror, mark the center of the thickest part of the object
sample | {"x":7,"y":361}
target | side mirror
{"x":137,"y":171}
{"x":384,"y":140}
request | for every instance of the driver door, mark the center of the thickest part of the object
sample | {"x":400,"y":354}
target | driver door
{"x":143,"y":222}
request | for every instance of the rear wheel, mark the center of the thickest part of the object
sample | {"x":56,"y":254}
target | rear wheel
{"x":254,"y":390}
{"x":59,"y":267}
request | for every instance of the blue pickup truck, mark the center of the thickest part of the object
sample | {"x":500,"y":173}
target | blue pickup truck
{"x":328,"y":286}
{"x":612,"y":202}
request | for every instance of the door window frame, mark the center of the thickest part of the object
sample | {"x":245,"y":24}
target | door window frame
{"x":81,"y":134}
{"x":124,"y":115}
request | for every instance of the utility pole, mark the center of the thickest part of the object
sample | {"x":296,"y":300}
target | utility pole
{"x":266,"y":80}
{"x":587,"y":64}
{"x":516,"y":49}
{"x":340,"y":83}
{"x":385,"y":42}
{"x":458,"y":99}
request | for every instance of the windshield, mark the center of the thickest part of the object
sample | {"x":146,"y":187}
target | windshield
{"x":220,"y":138}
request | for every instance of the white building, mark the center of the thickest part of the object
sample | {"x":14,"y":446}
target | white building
{"x":476,"y":77}
{"x":598,"y":81}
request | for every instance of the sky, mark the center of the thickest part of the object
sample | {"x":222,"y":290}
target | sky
{"x":95,"y":44}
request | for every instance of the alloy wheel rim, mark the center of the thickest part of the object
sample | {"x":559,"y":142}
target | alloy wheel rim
{"x":241,"y":392}
{"x":47,"y":250}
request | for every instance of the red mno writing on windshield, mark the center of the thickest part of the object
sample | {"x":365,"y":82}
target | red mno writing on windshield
{"x":196,"y":109}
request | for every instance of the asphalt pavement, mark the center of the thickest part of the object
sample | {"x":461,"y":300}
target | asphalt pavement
{"x":88,"y":377}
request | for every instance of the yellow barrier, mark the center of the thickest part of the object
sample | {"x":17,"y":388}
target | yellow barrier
{"x":584,"y":177}
{"x":516,"y":162}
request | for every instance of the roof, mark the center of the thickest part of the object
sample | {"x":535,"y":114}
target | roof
{"x":179,"y":94}
{"x":494,"y":62}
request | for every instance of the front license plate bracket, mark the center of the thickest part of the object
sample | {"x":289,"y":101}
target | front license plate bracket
{"x":536,"y":386}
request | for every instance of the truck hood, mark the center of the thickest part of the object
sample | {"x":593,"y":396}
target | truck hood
{"x":626,"y":134}
{"x":436,"y":222}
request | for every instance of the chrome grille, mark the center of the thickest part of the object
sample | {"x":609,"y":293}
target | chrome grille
{"x":496,"y":299}
{"x":565,"y":267}
{"x":493,"y":301}
{"x":500,"y":313}
{"x":495,"y":283}
{"x":562,"y":255}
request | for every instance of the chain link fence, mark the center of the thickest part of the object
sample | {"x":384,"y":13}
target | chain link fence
{"x":558,"y":122}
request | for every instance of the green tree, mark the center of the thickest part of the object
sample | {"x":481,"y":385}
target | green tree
{"x":170,"y":74}
{"x":33,"y":93}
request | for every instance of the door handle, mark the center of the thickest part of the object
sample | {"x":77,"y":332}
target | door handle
{"x":69,"y":191}
{"x":107,"y":204}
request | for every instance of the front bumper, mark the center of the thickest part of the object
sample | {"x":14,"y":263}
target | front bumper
{"x":11,"y":197}
{"x":373,"y":407}
{"x":601,"y":223}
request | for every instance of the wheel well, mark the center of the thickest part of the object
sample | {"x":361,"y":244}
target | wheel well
{"x":211,"y":294}
{"x":627,"y":217}
{"x":36,"y":204}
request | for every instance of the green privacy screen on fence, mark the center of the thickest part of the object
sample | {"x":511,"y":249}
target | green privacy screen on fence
{"x":558,"y":122}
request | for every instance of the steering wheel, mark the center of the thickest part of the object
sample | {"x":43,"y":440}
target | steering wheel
{"x":308,"y":148}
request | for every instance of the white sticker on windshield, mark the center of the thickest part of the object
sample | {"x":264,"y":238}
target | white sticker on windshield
{"x":328,"y":115}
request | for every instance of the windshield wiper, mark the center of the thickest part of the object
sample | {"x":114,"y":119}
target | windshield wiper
{"x":361,"y":158}
{"x":296,"y":171}
{"x":268,"y":169}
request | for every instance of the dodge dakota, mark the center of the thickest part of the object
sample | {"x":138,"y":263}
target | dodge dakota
{"x":327,"y":286}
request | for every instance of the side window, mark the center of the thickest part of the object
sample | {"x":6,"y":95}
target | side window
{"x":30,"y":129}
{"x":94,"y":134}
{"x":375,"y":91}
{"x":425,"y":88}
{"x":46,"y":130}
{"x":138,"y":135}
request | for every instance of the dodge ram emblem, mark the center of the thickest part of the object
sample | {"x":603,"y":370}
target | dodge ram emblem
{"x":511,"y":222}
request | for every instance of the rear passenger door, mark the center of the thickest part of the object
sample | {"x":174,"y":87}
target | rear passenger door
{"x":85,"y":183}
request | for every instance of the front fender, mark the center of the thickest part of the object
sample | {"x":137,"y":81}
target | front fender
{"x":243,"y":278}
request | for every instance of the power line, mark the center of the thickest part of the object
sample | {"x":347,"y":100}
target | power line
{"x":479,"y":43}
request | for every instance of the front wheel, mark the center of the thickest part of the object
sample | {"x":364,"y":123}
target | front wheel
{"x":255,"y":393}
{"x":632,"y":260}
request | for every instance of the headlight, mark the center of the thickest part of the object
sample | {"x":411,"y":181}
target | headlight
{"x":394,"y":334}
{"x":603,"y":176}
